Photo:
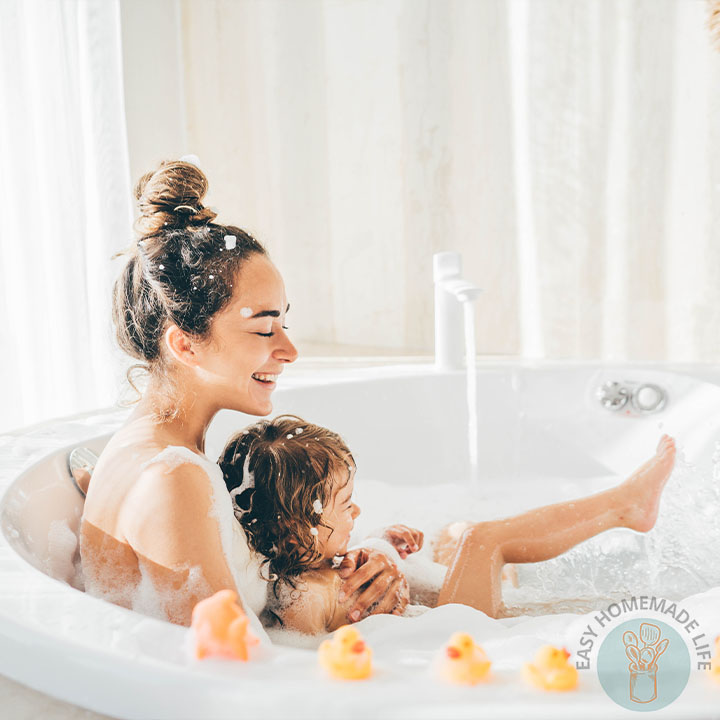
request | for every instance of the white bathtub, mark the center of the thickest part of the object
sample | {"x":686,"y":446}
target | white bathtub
{"x":542,"y":437}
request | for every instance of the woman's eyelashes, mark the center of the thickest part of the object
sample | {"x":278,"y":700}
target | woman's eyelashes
{"x":271,"y":333}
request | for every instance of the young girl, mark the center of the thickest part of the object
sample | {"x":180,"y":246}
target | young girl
{"x":292,"y":484}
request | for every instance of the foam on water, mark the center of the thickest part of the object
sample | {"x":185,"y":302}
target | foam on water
{"x":148,"y":600}
{"x":61,"y":553}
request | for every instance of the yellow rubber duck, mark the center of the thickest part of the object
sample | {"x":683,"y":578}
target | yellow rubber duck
{"x":462,"y":661}
{"x":715,"y":662}
{"x":346,"y":656}
{"x":551,"y":670}
{"x":221,"y":628}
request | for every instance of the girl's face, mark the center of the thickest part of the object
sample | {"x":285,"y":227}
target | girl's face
{"x":248,"y":346}
{"x":339,"y":515}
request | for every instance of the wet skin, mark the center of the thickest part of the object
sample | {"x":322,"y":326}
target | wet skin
{"x":160,"y":515}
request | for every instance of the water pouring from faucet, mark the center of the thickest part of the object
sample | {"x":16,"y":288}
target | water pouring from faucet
{"x":455,"y":336}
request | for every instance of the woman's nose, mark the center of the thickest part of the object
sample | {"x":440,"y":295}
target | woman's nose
{"x":355,"y":510}
{"x":286,"y":351}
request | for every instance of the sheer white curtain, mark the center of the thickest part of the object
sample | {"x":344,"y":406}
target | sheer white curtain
{"x":64,"y":189}
{"x":568,"y":148}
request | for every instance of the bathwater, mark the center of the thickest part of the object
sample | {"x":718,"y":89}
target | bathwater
{"x":676,"y":559}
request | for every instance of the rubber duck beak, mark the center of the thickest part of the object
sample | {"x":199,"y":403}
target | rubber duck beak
{"x":566,"y":653}
{"x":358,"y":647}
{"x":452,"y":652}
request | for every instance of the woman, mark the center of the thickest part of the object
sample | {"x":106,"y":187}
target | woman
{"x":203,"y":308}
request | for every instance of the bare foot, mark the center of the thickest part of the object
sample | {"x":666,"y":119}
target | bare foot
{"x":645,"y":486}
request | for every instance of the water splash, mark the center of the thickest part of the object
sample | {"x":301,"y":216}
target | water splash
{"x":676,"y":559}
{"x":471,"y":390}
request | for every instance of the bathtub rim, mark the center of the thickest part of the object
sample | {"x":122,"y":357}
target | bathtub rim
{"x":302,"y":370}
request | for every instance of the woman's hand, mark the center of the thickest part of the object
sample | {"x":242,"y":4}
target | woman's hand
{"x":386,"y":589}
{"x":404,"y":539}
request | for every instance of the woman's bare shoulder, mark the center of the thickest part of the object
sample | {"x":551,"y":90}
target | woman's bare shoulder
{"x":168,"y":517}
{"x":160,"y":504}
{"x":167,"y":486}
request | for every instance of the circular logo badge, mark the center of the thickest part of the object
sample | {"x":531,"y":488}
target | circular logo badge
{"x":643,"y":664}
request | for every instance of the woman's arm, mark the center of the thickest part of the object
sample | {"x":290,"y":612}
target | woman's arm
{"x":317,"y":609}
{"x":169,"y":522}
{"x":382,"y":587}
{"x":373,"y":579}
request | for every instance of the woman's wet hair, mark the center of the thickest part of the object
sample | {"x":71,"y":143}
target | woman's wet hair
{"x":277,"y":471}
{"x":180,"y":270}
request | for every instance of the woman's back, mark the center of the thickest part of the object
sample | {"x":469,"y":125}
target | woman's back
{"x":157,"y":533}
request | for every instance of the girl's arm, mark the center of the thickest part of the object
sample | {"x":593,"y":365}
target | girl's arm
{"x":168,"y":521}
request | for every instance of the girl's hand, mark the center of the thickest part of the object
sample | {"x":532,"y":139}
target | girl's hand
{"x":404,"y":539}
{"x":386,"y":588}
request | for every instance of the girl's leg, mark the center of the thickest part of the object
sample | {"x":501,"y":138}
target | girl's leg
{"x":475,"y":569}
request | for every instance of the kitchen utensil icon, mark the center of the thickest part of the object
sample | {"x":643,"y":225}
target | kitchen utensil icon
{"x":661,"y":648}
{"x":649,"y":633}
{"x":647,"y":656}
{"x":630,"y":638}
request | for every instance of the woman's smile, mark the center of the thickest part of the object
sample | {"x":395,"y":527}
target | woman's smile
{"x":269,"y":380}
{"x":252,"y":350}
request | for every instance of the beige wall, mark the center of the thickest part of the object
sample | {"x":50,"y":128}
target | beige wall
{"x":154,"y":78}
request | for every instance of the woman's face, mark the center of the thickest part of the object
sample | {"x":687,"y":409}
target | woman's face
{"x":340,"y":516}
{"x":248,"y":346}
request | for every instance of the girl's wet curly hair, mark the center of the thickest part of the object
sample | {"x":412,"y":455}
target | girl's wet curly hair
{"x":289,"y":465}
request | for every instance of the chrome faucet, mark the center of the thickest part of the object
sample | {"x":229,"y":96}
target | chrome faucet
{"x":452,"y":293}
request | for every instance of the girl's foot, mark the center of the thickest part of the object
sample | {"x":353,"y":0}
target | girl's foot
{"x":644,"y":487}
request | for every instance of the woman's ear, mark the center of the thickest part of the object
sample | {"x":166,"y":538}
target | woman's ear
{"x":180,"y":345}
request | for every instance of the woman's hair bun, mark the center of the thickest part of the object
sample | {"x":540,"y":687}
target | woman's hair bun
{"x":171,"y":197}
